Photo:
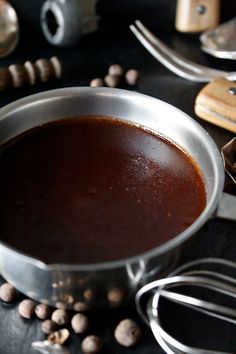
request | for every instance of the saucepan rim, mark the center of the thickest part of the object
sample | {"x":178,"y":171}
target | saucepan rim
{"x":159,"y":250}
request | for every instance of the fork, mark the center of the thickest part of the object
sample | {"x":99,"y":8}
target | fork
{"x":175,"y":62}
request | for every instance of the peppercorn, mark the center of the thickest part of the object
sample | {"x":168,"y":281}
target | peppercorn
{"x":80,"y":323}
{"x":60,"y":316}
{"x":116,"y":69}
{"x":97,"y":82}
{"x":91,"y":344}
{"x":42,"y":311}
{"x":48,"y":326}
{"x":132,"y":76}
{"x":26,"y":308}
{"x":7,"y":292}
{"x":112,"y":80}
{"x":59,"y":337}
{"x":127,"y":333}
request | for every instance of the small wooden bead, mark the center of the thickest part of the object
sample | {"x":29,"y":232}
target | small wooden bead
{"x":32,"y":72}
{"x":5,"y":79}
{"x":46,"y":70}
{"x":57,"y":67}
{"x":18,"y":74}
{"x":116,"y":69}
{"x":97,"y":82}
{"x":112,"y":80}
{"x":132,"y":77}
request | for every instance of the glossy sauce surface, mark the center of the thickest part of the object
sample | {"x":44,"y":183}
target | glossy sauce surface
{"x":95,"y":189}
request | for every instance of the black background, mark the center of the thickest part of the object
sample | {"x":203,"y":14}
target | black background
{"x":114,"y":43}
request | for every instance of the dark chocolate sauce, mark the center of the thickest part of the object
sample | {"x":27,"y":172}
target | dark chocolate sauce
{"x":95,"y":189}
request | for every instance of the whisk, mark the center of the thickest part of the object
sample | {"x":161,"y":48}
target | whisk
{"x":186,"y":275}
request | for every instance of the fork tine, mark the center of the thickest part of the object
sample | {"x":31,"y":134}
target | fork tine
{"x":179,"y":59}
{"x":174,"y":61}
{"x":165,"y":59}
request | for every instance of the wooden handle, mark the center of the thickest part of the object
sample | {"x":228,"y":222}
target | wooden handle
{"x":196,"y":15}
{"x":216,"y":103}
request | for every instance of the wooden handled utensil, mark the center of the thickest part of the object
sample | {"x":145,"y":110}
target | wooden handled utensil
{"x":196,"y":15}
{"x":216,"y":103}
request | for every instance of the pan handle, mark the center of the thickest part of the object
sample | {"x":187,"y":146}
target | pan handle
{"x":227,"y":207}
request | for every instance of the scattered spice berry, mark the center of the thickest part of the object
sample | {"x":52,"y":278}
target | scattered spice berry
{"x":7,"y":292}
{"x":59,"y":337}
{"x":91,"y":344}
{"x":115,"y":296}
{"x":96,"y":82}
{"x":60,"y":317}
{"x":42,"y":311}
{"x":132,"y":76}
{"x":60,"y":305}
{"x":80,"y":323}
{"x":26,"y":308}
{"x":112,"y":80}
{"x":68,"y":298}
{"x":127,"y":333}
{"x":48,"y":326}
{"x":80,"y":306}
{"x":116,"y":69}
{"x":89,"y":294}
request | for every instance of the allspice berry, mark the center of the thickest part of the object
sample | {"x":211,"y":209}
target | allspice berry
{"x":60,"y":317}
{"x":116,"y":69}
{"x":127,"y":333}
{"x":97,"y":82}
{"x":48,"y":326}
{"x":26,"y":308}
{"x":80,"y":323}
{"x":88,"y":294}
{"x":91,"y":344}
{"x":115,"y":296}
{"x":112,"y":80}
{"x":42,"y":311}
{"x":7,"y":292}
{"x":80,"y":306}
{"x":59,"y":337}
{"x":132,"y":77}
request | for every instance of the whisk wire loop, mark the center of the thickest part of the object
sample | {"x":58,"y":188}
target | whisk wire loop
{"x":215,"y":281}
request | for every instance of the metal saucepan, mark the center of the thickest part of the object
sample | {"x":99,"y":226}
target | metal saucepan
{"x":108,"y":284}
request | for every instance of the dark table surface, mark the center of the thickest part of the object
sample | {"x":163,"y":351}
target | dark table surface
{"x":90,"y":59}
